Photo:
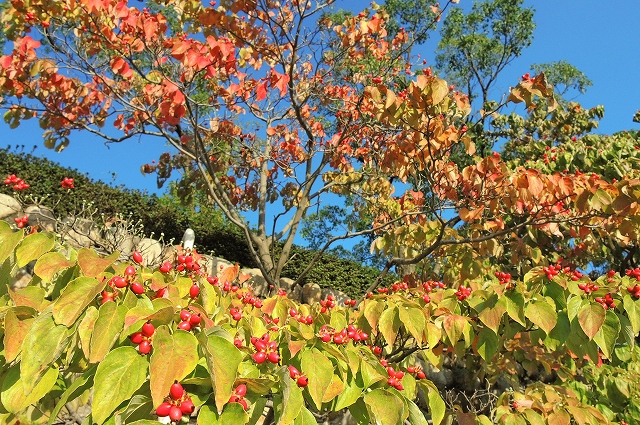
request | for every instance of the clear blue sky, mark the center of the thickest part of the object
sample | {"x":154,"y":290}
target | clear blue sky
{"x":599,"y":39}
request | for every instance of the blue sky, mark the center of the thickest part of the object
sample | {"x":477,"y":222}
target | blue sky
{"x":599,"y":40}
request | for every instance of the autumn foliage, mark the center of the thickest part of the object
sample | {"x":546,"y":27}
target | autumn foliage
{"x":266,"y":102}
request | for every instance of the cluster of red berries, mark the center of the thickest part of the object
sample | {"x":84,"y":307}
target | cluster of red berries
{"x":266,"y":349}
{"x":143,"y":339}
{"x":399,"y":286}
{"x":350,"y":303}
{"x":588,"y":287}
{"x":430,"y":285}
{"x":417,"y":371}
{"x":376,"y":80}
{"x":300,"y":317}
{"x":281,"y":292}
{"x":610,"y":275}
{"x":249,"y":298}
{"x":343,"y":336}
{"x":503,"y":277}
{"x":606,"y":302}
{"x":635,"y":273}
{"x":634,"y":291}
{"x":178,"y":403}
{"x":189,"y":320}
{"x":238,"y":396}
{"x":271,"y":321}
{"x":67,"y":183}
{"x":552,"y":271}
{"x":463,"y":293}
{"x":17,"y":183}
{"x":21,"y":221}
{"x":187,"y":262}
{"x":327,"y":304}
{"x":297,"y":376}
{"x":236,"y":313}
{"x":395,"y":378}
{"x":128,"y":280}
{"x":165,"y":267}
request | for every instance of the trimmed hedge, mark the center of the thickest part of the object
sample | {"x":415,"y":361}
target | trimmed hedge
{"x":164,"y":215}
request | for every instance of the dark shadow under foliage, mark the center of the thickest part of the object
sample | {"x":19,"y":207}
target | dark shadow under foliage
{"x":164,"y":215}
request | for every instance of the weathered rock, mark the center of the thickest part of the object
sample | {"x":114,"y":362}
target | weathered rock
{"x":295,"y":294}
{"x":42,"y":216}
{"x":21,"y":279}
{"x":340,"y":296}
{"x":311,"y":293}
{"x":151,"y":251}
{"x":9,"y":206}
{"x":286,"y":283}
{"x":256,"y":281}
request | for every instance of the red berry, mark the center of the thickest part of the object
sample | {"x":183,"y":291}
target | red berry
{"x":244,"y":404}
{"x":119,"y":282}
{"x":185,"y":326}
{"x":241,"y":390}
{"x":187,"y":407}
{"x":136,"y":337}
{"x":273,"y":357}
{"x":293,"y":372}
{"x":176,"y":391}
{"x":137,"y":257}
{"x":164,"y":409}
{"x":421,"y":375}
{"x":175,"y":413}
{"x":148,"y":329}
{"x":130,"y":271}
{"x":185,"y":315}
{"x":137,"y":288}
{"x":303,"y":381}
{"x":195,"y":319}
{"x":144,"y":347}
{"x":259,"y":357}
{"x":194,"y":291}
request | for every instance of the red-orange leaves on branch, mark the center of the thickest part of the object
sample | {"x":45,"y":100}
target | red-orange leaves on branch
{"x":529,"y":89}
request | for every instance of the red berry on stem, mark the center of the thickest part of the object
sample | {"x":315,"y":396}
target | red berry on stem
{"x":175,"y":413}
{"x":137,"y":288}
{"x":176,"y":391}
{"x":144,"y":347}
{"x":241,"y":390}
{"x":194,"y":291}
{"x":164,"y":409}
{"x":148,"y":329}
{"x":187,"y":407}
{"x":303,"y":381}
{"x":259,"y":357}
{"x":185,"y":326}
{"x":185,"y":315}
{"x":274,"y":357}
{"x":137,"y":257}
{"x":136,"y":337}
{"x":130,"y":271}
{"x":195,"y":319}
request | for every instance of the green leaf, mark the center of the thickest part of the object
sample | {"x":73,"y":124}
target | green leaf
{"x":8,"y":242}
{"x":437,"y":408}
{"x":632,"y":308}
{"x":372,"y":311}
{"x":106,"y":329}
{"x":45,"y":342}
{"x":389,"y":324}
{"x":75,"y":390}
{"x":13,"y":396}
{"x":50,"y":264}
{"x":360,"y":413}
{"x":608,"y":334}
{"x":291,"y":403}
{"x":78,"y":294}
{"x":350,"y":395}
{"x":487,"y":344}
{"x":33,"y":246}
{"x":223,"y":359}
{"x":305,"y":418}
{"x":85,"y":329}
{"x":173,"y":358}
{"x":92,"y":264}
{"x":560,"y":332}
{"x":117,"y":378}
{"x":591,"y":318}
{"x":416,"y":417}
{"x":319,"y":370}
{"x":233,"y":414}
{"x":542,"y":314}
{"x":413,"y":320}
{"x":385,"y":407}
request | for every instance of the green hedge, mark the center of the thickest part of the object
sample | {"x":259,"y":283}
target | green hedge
{"x":165,"y":215}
